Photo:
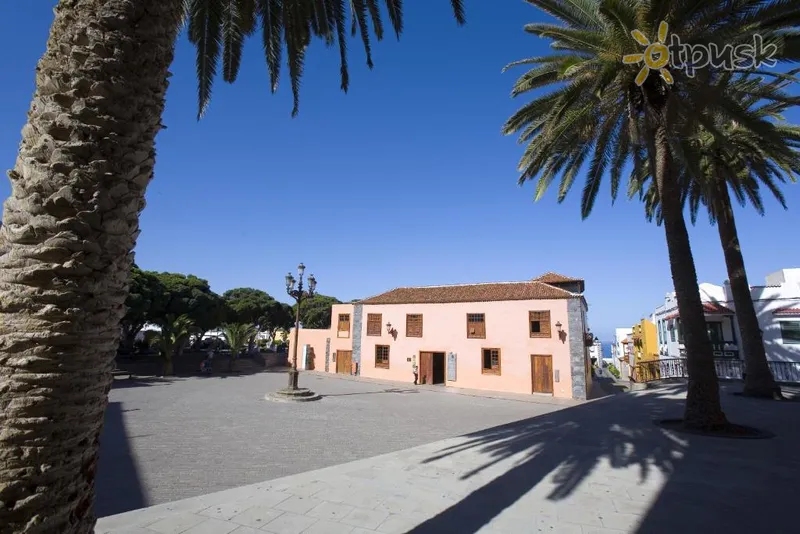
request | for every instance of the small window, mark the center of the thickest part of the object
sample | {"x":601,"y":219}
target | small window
{"x":414,"y":325}
{"x":476,"y":325}
{"x":790,"y":332}
{"x":344,"y":325}
{"x":382,"y":356}
{"x":374,"y":321}
{"x":539,"y":323}
{"x":491,"y":362}
{"x":672,"y":331}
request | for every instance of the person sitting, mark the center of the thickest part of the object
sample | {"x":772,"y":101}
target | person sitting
{"x":205,"y":365}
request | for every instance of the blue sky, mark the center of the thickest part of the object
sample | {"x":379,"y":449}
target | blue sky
{"x":406,"y":180}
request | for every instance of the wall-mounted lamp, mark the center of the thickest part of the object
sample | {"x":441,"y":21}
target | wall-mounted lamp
{"x":389,"y":330}
{"x":559,"y":326}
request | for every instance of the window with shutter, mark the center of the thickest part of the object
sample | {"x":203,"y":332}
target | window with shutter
{"x":476,"y":325}
{"x":790,"y":332}
{"x":344,"y":325}
{"x":414,"y":325}
{"x":382,"y":356}
{"x":539,"y":323}
{"x":491,"y":362}
{"x":374,"y":321}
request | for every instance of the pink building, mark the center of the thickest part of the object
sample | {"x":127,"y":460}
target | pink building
{"x":519,"y":337}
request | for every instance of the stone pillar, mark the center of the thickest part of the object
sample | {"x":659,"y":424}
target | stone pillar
{"x":358,"y":310}
{"x":577,"y":347}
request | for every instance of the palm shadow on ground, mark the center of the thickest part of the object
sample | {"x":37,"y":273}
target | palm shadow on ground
{"x":706,"y":484}
{"x":118,"y":485}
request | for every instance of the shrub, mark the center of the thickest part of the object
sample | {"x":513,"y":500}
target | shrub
{"x":613,"y":370}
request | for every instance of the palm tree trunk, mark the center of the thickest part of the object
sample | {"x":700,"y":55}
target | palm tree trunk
{"x":759,"y":381}
{"x":703,"y":409}
{"x":169,"y":366}
{"x":68,"y":230}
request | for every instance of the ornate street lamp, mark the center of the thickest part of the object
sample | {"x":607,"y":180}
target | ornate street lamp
{"x":299,"y":295}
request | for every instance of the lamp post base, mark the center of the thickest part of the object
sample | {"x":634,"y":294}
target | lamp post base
{"x":293,"y":395}
{"x":292,"y":392}
{"x":293,"y":376}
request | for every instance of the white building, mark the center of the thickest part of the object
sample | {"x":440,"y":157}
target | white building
{"x":720,"y":323}
{"x":778,"y":309}
{"x":777,"y":306}
{"x":619,"y":350}
{"x":596,"y":351}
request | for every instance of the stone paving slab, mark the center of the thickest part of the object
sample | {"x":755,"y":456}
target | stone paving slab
{"x":168,"y":440}
{"x":599,"y":468}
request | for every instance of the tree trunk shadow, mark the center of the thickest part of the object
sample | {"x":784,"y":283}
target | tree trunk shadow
{"x":118,"y":485}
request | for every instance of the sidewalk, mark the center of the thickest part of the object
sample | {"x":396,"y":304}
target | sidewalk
{"x":597,"y":468}
{"x":531,"y":398}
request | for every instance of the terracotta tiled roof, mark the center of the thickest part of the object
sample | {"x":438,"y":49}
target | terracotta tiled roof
{"x":787,"y":311}
{"x":717,"y":309}
{"x":490,"y":292}
{"x":555,"y":278}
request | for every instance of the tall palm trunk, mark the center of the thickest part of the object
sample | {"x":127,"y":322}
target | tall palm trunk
{"x":168,"y":369}
{"x":703,"y":408}
{"x":759,"y":381}
{"x":68,"y":230}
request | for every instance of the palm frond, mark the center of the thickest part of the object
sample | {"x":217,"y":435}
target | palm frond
{"x":222,"y":26}
{"x":576,"y":13}
{"x":271,"y":14}
{"x":237,"y":21}
{"x":395,"y":9}
{"x":359,"y":9}
{"x":205,"y":32}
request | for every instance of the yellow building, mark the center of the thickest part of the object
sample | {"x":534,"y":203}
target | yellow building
{"x":645,"y":342}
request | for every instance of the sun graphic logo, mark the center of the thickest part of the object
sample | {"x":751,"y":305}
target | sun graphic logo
{"x":655,"y":55}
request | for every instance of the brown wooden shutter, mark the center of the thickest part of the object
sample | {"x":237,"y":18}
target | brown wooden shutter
{"x":543,"y":320}
{"x":374,"y":321}
{"x":414,"y":325}
{"x":382,"y":356}
{"x":344,"y":322}
{"x":476,"y":325}
{"x":491,"y":362}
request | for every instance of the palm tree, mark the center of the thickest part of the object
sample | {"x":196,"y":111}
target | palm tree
{"x":730,"y":156}
{"x":603,"y":113}
{"x":237,"y":336}
{"x":71,"y":222}
{"x":175,"y":332}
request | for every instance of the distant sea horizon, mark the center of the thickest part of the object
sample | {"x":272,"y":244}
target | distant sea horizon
{"x":606,"y":345}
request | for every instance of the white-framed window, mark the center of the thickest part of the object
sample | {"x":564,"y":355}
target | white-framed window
{"x":790,"y":332}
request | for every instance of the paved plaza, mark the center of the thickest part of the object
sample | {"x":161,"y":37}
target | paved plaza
{"x":600,"y":467}
{"x":166,"y":440}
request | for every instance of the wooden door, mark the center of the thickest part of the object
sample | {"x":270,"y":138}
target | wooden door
{"x":425,"y":368}
{"x":542,"y":373}
{"x":344,"y":362}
